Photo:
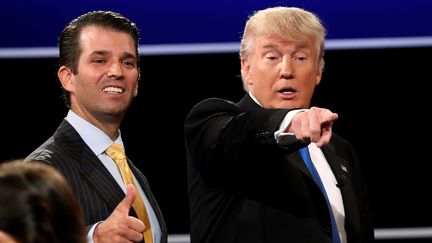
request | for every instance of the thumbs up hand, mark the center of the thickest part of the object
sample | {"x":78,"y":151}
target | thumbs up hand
{"x":119,"y":226}
{"x":126,"y":204}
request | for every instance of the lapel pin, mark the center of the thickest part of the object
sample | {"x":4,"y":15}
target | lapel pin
{"x":344,"y":168}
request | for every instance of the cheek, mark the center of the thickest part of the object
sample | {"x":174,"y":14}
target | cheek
{"x":265,"y":73}
{"x":86,"y":74}
{"x":131,"y":75}
{"x":311,"y":89}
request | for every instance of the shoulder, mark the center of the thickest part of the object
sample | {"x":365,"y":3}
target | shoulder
{"x":60,"y":145}
{"x":43,"y":152}
{"x":67,"y":158}
{"x":212,"y":106}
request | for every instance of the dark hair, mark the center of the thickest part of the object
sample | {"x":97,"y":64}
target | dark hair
{"x":69,"y":46}
{"x":37,"y":205}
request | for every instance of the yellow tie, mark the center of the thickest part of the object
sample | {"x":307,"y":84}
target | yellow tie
{"x":116,"y":152}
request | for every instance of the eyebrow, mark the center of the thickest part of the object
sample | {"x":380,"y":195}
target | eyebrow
{"x":100,"y":53}
{"x":104,"y":53}
{"x":297,"y":47}
{"x":129,"y":55}
{"x":270,"y":46}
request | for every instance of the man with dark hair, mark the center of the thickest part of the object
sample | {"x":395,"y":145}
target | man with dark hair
{"x":99,"y":72}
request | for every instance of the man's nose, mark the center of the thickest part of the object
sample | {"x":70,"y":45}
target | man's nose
{"x":115,"y":70}
{"x":286,"y":71}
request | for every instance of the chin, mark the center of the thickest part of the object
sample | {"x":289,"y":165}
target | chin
{"x":285,"y":105}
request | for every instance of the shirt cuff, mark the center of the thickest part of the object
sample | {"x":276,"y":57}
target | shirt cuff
{"x":91,"y":232}
{"x":280,"y":135}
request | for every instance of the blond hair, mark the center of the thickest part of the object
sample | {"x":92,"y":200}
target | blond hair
{"x":287,"y":23}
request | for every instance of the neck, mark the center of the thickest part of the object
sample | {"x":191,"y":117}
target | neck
{"x":109,"y":124}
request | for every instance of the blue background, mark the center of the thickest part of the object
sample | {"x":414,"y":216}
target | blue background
{"x":30,"y":23}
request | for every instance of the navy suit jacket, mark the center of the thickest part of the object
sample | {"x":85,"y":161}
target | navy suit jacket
{"x":243,"y":187}
{"x":96,"y":190}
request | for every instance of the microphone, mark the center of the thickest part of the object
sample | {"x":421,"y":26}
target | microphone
{"x":340,"y":182}
{"x":340,"y":185}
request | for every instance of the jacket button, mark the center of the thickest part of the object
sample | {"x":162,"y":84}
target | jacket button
{"x":327,"y":230}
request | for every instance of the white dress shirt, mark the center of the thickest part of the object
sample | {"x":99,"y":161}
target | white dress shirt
{"x":323,"y":168}
{"x":98,"y":142}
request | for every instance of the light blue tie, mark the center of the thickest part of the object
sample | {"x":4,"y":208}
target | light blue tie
{"x":304,"y":152}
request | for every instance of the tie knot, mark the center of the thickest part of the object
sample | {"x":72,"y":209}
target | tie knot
{"x":116,"y":152}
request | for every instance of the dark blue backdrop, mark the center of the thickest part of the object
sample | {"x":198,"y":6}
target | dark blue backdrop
{"x":35,"y":23}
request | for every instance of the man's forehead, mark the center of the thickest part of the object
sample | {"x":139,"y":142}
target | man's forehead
{"x":276,"y":42}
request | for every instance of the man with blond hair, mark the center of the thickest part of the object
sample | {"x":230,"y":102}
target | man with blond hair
{"x":268,"y":169}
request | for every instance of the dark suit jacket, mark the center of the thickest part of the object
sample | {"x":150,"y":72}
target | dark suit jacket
{"x":96,"y":190}
{"x":243,"y":187}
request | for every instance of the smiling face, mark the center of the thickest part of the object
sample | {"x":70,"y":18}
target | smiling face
{"x":107,"y":75}
{"x":281,"y":73}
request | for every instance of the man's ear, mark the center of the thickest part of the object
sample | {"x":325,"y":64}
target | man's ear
{"x":318,"y":78}
{"x":136,"y":89}
{"x":65,"y":76}
{"x":138,"y":80}
{"x":246,"y":71}
{"x":320,"y":71}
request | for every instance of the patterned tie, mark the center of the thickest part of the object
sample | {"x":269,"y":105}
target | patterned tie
{"x":304,"y":152}
{"x":116,"y":152}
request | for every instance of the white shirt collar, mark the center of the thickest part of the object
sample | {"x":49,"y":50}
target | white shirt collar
{"x":95,"y":138}
{"x":254,"y":99}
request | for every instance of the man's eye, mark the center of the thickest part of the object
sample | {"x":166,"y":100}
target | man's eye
{"x":272,"y":58}
{"x":129,"y":63}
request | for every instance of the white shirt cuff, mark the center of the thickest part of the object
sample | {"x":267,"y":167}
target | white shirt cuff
{"x":91,"y":232}
{"x":281,"y":134}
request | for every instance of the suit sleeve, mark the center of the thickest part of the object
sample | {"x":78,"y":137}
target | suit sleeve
{"x":230,"y":146}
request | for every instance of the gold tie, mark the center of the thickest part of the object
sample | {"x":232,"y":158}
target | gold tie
{"x":116,"y":152}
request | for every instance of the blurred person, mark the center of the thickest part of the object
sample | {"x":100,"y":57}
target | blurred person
{"x":250,"y":176}
{"x":99,"y":73}
{"x":37,"y":205}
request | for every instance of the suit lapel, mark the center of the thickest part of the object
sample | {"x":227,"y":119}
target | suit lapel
{"x":341,"y":168}
{"x":343,"y":173}
{"x":298,"y":162}
{"x":92,"y":169}
{"x":146,"y":188}
{"x":100,"y":178}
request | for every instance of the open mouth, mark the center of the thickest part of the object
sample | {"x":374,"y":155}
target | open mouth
{"x":287,"y":91}
{"x":113,"y":90}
